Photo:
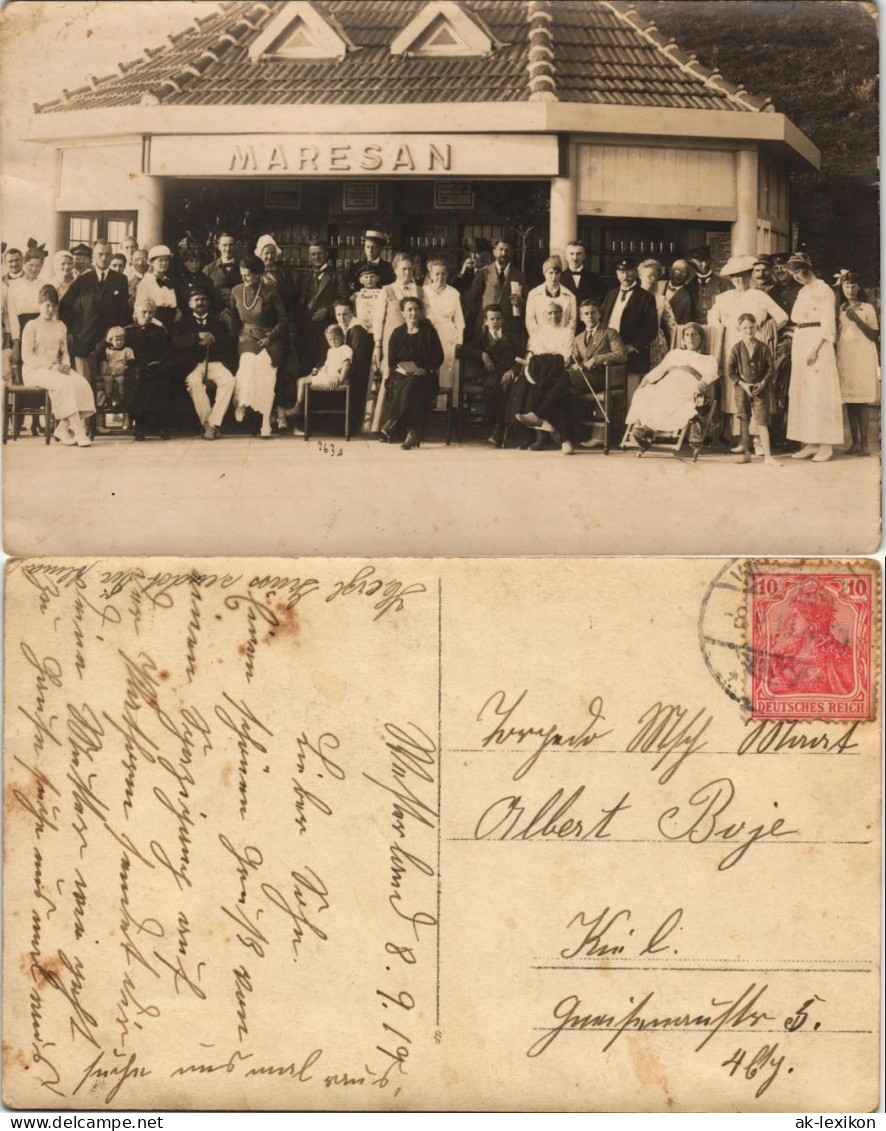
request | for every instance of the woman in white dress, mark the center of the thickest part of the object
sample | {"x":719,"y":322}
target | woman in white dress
{"x":388,"y":316}
{"x":443,"y":311}
{"x":858,"y":361}
{"x":649,"y":274}
{"x":666,"y":398}
{"x":729,"y":307}
{"x":46,"y":364}
{"x":815,"y":408}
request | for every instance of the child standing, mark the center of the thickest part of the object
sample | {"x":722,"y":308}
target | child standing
{"x":115,"y":360}
{"x":751,"y":371}
{"x":367,"y":298}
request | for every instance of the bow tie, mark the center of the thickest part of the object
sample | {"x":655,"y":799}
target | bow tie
{"x":163,"y":281}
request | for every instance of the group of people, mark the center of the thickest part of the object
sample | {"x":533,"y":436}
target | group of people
{"x":151,"y":334}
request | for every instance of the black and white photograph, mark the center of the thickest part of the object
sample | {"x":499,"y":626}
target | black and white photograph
{"x":440,"y":276}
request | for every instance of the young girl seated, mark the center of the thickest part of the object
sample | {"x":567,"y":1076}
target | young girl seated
{"x":115,"y":360}
{"x":331,"y":375}
{"x":668,"y":396}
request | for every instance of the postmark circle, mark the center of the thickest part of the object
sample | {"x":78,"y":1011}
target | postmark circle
{"x":722,"y":631}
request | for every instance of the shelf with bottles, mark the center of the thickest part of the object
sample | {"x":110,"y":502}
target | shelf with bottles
{"x":294,"y":240}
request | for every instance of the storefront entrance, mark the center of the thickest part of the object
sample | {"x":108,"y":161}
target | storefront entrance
{"x":438,"y":218}
{"x":611,"y":239}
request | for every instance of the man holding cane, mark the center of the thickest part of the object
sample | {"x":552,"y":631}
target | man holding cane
{"x":206,"y":349}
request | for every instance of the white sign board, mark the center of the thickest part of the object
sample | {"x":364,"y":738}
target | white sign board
{"x":361,"y":155}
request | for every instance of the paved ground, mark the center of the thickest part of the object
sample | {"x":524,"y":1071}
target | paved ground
{"x":285,"y":496}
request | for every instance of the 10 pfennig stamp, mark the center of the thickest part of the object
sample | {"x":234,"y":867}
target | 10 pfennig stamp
{"x":810,"y":642}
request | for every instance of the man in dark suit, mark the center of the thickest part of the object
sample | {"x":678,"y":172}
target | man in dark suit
{"x":360,"y":341}
{"x":496,"y":347}
{"x":498,"y":284}
{"x":95,"y":301}
{"x":205,"y":352}
{"x":706,"y":285}
{"x":633,"y":314}
{"x":373,"y":242}
{"x":578,"y":277}
{"x":224,"y":271}
{"x":316,"y":293}
{"x":678,"y":293}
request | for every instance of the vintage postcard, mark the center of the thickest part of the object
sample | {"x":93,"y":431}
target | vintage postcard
{"x":396,"y":259}
{"x":394,"y":834}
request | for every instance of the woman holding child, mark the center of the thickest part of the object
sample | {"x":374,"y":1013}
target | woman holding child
{"x":47,"y":364}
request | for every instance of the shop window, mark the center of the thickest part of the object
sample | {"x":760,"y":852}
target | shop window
{"x":111,"y":226}
{"x":83,"y":229}
{"x":442,"y":28}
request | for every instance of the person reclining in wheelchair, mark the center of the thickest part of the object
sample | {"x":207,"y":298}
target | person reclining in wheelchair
{"x":561,"y":411}
{"x":670,"y":395}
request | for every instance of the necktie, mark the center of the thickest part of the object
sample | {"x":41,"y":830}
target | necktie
{"x":501,"y":275}
{"x":101,"y":278}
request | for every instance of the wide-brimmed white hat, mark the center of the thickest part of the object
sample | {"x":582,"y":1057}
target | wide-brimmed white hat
{"x":159,"y":250}
{"x":737,"y":265}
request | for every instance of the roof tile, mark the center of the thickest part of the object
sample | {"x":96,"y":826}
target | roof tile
{"x":601,"y":55}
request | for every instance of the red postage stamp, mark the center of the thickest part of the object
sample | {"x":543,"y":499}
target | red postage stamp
{"x":811,"y":653}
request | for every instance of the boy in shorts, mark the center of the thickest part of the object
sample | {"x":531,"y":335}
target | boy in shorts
{"x":751,"y":370}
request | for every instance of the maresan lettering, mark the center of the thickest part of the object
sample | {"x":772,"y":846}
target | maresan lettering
{"x":425,"y":157}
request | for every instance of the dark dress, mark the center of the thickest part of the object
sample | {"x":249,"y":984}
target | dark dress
{"x":153,"y":397}
{"x":410,"y":396}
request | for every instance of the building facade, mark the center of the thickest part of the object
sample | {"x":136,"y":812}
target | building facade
{"x":436,"y":120}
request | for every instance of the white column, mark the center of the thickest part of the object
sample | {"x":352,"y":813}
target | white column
{"x":61,"y":232}
{"x":744,"y":228}
{"x":150,"y":211}
{"x":564,"y":205}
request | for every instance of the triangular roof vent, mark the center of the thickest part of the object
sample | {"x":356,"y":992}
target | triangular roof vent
{"x":443,"y":28}
{"x":298,"y":31}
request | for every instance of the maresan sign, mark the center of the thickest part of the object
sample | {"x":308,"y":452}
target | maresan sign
{"x":376,"y":155}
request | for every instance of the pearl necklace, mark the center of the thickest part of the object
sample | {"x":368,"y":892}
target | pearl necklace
{"x":246,"y":291}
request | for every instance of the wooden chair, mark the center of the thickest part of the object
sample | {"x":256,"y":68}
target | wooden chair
{"x":704,"y":426}
{"x":20,"y":401}
{"x":335,"y":411}
{"x":604,"y":412}
{"x":436,"y":411}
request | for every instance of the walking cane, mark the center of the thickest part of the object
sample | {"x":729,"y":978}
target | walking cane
{"x":594,"y":395}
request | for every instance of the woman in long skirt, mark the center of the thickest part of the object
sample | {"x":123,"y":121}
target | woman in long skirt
{"x":858,"y":361}
{"x":46,"y":364}
{"x":262,"y":327}
{"x":815,"y":410}
{"x":443,"y":311}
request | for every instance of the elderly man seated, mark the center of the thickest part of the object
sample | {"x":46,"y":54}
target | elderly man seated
{"x":670,"y":395}
{"x":560,"y":412}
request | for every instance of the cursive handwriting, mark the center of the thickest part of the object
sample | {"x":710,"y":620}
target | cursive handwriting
{"x":542,"y":736}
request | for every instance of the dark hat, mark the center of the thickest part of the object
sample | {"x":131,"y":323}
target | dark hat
{"x":780,"y":258}
{"x":367,"y":269}
{"x":766,"y":260}
{"x":81,"y":249}
{"x":198,"y":289}
{"x":628,"y":261}
{"x":703,"y":252}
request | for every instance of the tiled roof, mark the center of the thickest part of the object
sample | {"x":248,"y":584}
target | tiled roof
{"x":603,"y":52}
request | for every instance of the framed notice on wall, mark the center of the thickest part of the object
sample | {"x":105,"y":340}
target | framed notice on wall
{"x":359,"y":196}
{"x":453,"y":194}
{"x":283,"y":194}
